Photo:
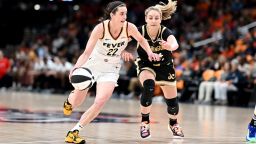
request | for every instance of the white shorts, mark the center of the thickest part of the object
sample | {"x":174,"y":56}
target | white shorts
{"x":103,"y":70}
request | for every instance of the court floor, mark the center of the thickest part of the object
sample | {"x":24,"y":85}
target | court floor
{"x":27,"y":118}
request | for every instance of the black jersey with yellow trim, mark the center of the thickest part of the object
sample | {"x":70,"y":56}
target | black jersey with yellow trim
{"x":163,"y":34}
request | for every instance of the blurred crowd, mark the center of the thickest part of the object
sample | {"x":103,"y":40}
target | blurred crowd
{"x":221,"y":72}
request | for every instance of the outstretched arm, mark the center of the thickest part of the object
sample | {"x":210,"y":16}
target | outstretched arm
{"x":133,"y":31}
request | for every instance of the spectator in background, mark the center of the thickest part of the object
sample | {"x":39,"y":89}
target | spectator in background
{"x":236,"y":84}
{"x":5,"y":67}
{"x":220,"y":85}
{"x":206,"y":87}
{"x":207,"y":84}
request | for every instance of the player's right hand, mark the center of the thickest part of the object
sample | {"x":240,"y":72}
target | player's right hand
{"x":127,"y":56}
{"x":153,"y":57}
{"x":70,"y":72}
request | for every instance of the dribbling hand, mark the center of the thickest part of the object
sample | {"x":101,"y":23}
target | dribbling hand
{"x":70,"y":72}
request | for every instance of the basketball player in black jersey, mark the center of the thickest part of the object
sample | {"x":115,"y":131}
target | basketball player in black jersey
{"x":163,"y":42}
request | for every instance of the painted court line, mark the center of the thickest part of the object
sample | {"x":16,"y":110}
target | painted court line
{"x":28,"y":142}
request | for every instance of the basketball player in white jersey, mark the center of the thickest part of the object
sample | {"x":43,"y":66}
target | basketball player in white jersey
{"x":102,"y":57}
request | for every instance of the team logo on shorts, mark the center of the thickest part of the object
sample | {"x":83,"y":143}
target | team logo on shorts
{"x":171,"y":76}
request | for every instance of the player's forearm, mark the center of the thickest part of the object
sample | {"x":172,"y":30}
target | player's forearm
{"x":173,"y":44}
{"x":82,"y":59}
{"x":144,"y":44}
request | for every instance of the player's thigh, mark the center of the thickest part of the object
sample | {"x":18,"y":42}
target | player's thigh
{"x":146,"y":74}
{"x":104,"y":91}
{"x":169,"y":91}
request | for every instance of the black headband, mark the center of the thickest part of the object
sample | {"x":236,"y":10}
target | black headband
{"x":115,"y":6}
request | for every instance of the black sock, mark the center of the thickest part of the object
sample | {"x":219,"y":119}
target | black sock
{"x":145,"y":117}
{"x":68,"y":102}
{"x":253,"y":121}
{"x":172,"y":122}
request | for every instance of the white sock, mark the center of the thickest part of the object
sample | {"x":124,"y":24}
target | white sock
{"x":255,"y":110}
{"x":254,"y":116}
{"x":78,"y":127}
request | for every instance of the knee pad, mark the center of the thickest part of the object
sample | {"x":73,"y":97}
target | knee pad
{"x":172,"y":106}
{"x":148,"y":92}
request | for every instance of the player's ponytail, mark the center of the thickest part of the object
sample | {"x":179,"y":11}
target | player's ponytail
{"x":166,"y":10}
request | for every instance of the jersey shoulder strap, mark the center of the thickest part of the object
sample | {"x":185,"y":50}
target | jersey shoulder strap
{"x":103,"y":34}
{"x":162,"y":30}
{"x":142,"y":31}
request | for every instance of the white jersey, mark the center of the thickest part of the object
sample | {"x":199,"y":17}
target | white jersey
{"x":105,"y":60}
{"x":110,"y":48}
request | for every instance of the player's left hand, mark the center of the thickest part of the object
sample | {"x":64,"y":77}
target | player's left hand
{"x":127,"y":56}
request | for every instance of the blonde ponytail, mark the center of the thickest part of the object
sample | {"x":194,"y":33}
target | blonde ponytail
{"x":166,"y":10}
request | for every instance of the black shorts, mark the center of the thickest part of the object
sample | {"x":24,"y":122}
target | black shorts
{"x":164,"y":73}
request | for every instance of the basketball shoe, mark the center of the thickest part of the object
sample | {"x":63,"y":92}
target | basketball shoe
{"x":73,"y":137}
{"x":251,"y":134}
{"x":145,"y":130}
{"x":176,"y":130}
{"x":67,"y":108}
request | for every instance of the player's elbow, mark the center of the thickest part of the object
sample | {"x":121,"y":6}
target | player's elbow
{"x":174,"y":46}
{"x":87,"y":51}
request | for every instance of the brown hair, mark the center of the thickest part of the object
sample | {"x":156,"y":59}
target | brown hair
{"x":111,"y":8}
{"x":166,"y":10}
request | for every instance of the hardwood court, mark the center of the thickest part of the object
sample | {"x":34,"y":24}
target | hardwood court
{"x":31,"y":118}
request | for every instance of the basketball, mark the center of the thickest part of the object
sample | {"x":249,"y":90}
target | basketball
{"x":82,"y":78}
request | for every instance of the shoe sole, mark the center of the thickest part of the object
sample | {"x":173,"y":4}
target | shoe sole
{"x":148,"y":137}
{"x":82,"y":142}
{"x":253,"y":140}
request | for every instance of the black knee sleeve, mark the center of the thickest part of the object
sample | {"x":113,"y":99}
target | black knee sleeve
{"x":172,"y":106}
{"x":148,"y":92}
